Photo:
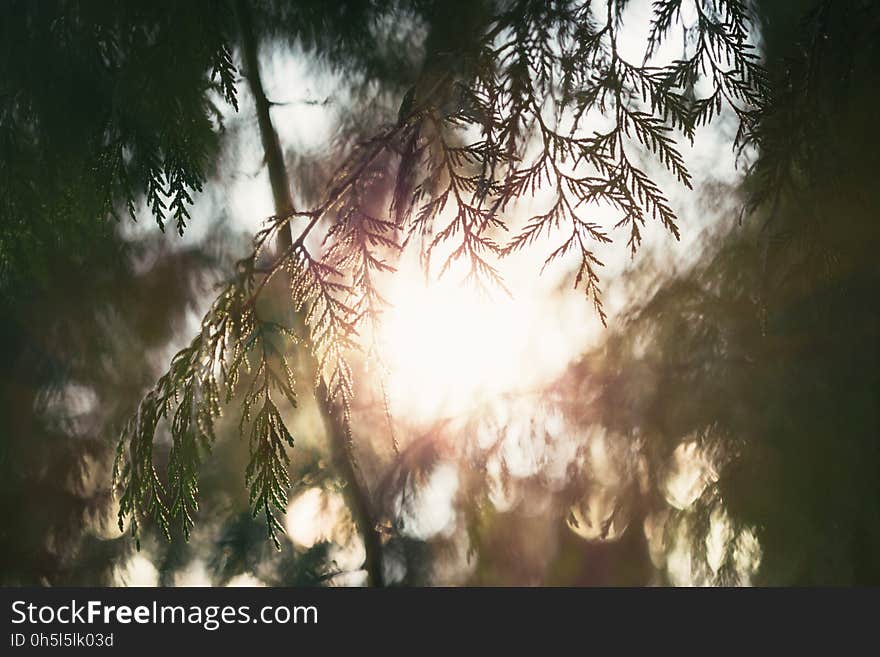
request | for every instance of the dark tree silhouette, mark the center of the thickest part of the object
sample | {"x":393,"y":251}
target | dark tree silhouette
{"x":98,"y":101}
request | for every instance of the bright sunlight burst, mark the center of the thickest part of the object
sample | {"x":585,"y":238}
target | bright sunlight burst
{"x":450,"y":348}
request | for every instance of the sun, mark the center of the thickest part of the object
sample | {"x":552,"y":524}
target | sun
{"x":450,"y":348}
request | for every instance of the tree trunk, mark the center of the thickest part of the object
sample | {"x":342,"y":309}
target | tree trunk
{"x":342,"y":448}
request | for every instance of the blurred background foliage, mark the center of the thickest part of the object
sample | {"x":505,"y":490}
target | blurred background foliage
{"x":724,"y":430}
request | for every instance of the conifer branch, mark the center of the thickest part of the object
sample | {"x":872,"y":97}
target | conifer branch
{"x":540,"y":74}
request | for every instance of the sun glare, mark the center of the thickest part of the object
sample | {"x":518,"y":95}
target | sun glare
{"x":450,"y":348}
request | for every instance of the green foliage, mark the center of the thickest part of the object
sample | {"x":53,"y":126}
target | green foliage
{"x":266,"y":473}
{"x":101,"y":102}
{"x":531,"y":74}
{"x":233,"y":338}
